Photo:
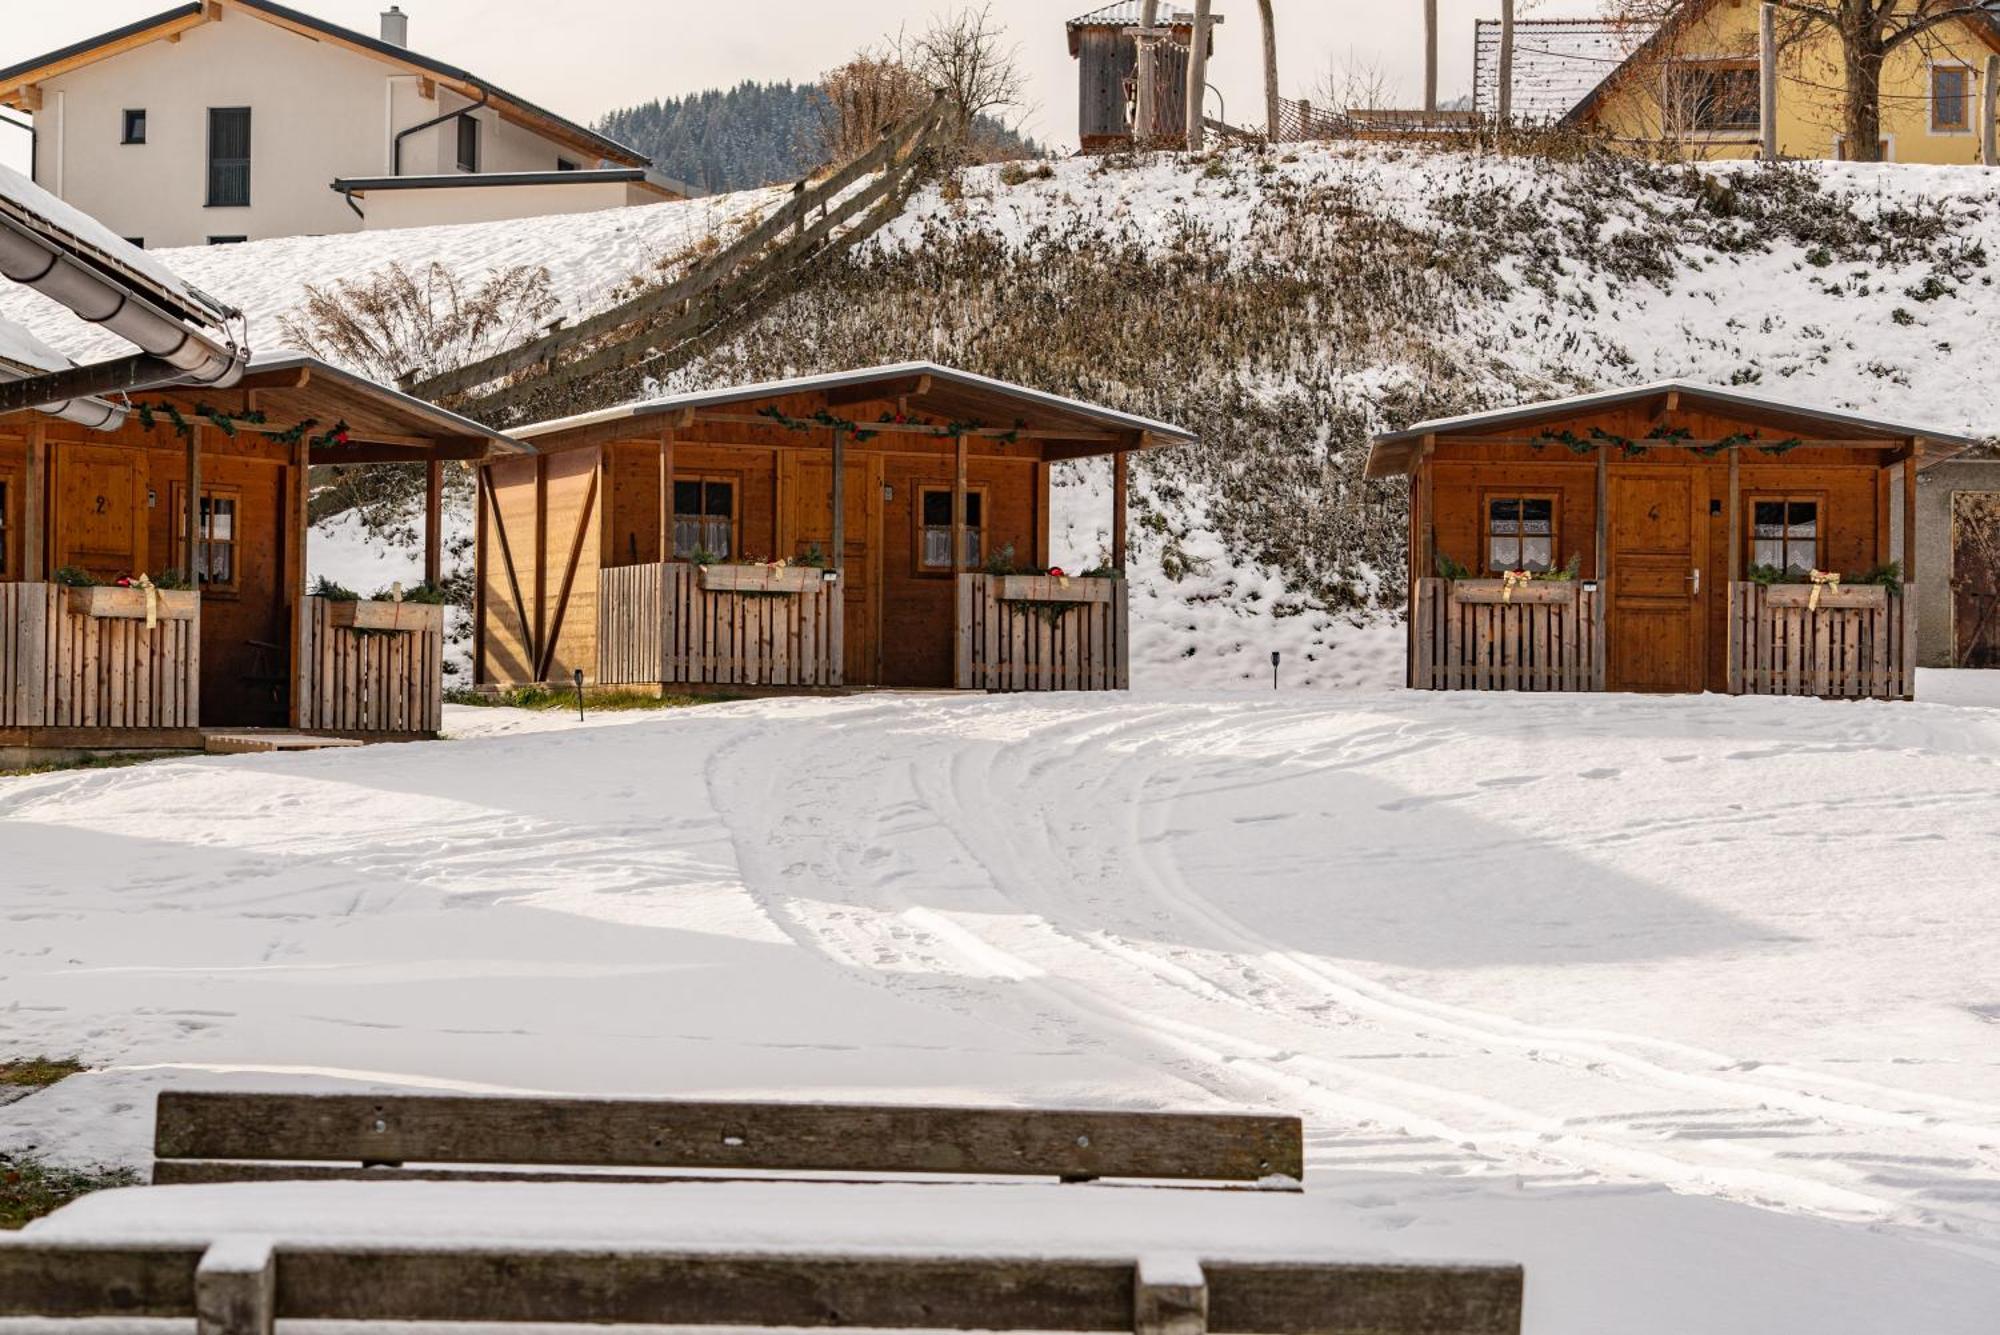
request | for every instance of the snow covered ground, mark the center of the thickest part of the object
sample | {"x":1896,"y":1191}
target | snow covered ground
{"x":1686,"y":1003}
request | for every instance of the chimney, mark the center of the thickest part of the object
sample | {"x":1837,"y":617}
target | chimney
{"x":395,"y":26}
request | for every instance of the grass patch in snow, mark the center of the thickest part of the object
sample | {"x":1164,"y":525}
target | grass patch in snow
{"x":119,"y":761}
{"x":560,"y":697}
{"x":29,"y":1189}
{"x":35,"y":1072}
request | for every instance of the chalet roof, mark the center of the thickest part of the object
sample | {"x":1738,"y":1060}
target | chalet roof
{"x":957,"y":395}
{"x":1557,"y":62}
{"x":1396,"y":453}
{"x":182,"y":17}
{"x":1125,"y":14}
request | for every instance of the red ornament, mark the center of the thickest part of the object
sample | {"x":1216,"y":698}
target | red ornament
{"x":124,"y":581}
{"x":340,"y":437}
{"x":1057,"y":572}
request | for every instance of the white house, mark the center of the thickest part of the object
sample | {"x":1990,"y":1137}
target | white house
{"x":233,"y":120}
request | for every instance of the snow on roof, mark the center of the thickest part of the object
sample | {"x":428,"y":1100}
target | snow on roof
{"x":1125,"y":14}
{"x":22,"y":349}
{"x":1557,"y":62}
{"x":31,"y":208}
{"x":806,"y":384}
{"x":589,"y":257}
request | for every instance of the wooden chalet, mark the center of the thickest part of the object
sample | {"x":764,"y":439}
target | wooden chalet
{"x":1701,"y":525}
{"x":830,"y":531}
{"x":220,"y":474}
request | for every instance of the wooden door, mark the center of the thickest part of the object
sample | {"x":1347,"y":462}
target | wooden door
{"x":808,"y":507}
{"x":101,"y":509}
{"x":1975,"y":579}
{"x":1657,"y":591}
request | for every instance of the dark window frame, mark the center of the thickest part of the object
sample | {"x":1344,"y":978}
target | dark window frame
{"x":233,"y":585}
{"x":975,"y":533}
{"x":1710,"y":110}
{"x":1786,"y":541}
{"x":704,"y":516}
{"x":226,"y":197}
{"x":1487,"y":535}
{"x":565,"y":165}
{"x":1963,"y":73}
{"x":227,"y":240}
{"x":129,"y":120}
{"x":467,"y":147}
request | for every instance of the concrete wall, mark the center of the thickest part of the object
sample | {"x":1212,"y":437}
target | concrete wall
{"x":457,"y":204}
{"x":318,"y":111}
{"x":1934,"y":569}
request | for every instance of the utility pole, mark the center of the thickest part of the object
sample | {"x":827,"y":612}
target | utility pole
{"x":1989,"y":102}
{"x":1430,"y":55}
{"x":1767,"y":81}
{"x":1146,"y":115}
{"x":1197,"y":79}
{"x":1506,"y":104}
{"x":1273,"y":113}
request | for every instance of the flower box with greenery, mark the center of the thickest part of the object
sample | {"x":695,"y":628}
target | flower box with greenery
{"x":125,"y":598}
{"x":391,"y":610}
{"x":775,"y":577}
{"x":1054,"y":585}
{"x":1822,"y":590}
{"x":1558,"y":585}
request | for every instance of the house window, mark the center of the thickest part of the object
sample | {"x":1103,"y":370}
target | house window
{"x":215,"y":564}
{"x":704,"y":517}
{"x":136,"y":242}
{"x":1520,"y":533}
{"x":565,"y":165}
{"x":1720,"y":97}
{"x":227,"y":240}
{"x":468,"y":144}
{"x":934,"y":533}
{"x":132,"y":126}
{"x":228,"y":157}
{"x":1951,"y":99}
{"x":1784,"y":533}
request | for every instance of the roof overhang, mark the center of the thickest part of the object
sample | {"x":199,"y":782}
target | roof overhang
{"x":642,"y":177}
{"x":997,"y":406}
{"x":1398,"y":453}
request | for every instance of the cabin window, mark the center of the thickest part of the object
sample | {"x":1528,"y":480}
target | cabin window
{"x":216,"y":567}
{"x":132,"y":126}
{"x":704,"y":517}
{"x":565,"y":165}
{"x":1784,"y":533}
{"x":1719,"y":97}
{"x":468,"y":144}
{"x":228,"y":157}
{"x":227,"y":240}
{"x":1520,"y":533}
{"x":1951,"y":98}
{"x":934,"y":532}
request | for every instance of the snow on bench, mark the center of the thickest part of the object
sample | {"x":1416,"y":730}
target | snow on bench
{"x":202,"y":1137}
{"x":243,"y":1286}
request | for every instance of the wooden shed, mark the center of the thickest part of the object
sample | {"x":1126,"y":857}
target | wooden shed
{"x":887,"y":526}
{"x":1106,"y":50}
{"x":88,"y":663}
{"x":1671,"y":537}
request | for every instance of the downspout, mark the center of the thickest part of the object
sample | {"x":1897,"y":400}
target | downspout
{"x":396,"y":150}
{"x":347,"y":193}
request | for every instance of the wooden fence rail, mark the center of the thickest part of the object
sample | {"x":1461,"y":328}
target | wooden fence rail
{"x":1858,"y":643}
{"x":372,"y":680}
{"x":61,"y":668}
{"x":1041,"y":633}
{"x":1474,"y":635}
{"x":665,"y":624}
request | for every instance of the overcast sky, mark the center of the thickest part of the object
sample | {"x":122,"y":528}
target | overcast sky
{"x":585,"y":57}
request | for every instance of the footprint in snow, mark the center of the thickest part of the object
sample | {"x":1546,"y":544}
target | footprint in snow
{"x":1599,"y":773}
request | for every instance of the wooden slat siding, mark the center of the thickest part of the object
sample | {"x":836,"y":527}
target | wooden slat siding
{"x":355,"y":681}
{"x":657,"y":1287}
{"x":658,"y":626}
{"x":664,"y":1133}
{"x":65,"y":670}
{"x":1841,"y":651}
{"x":1547,"y":637}
{"x":1006,"y":644}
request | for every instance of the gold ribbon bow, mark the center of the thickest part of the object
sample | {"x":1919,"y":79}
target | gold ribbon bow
{"x":152,"y":600}
{"x":1821,"y":580}
{"x":1509,"y":579}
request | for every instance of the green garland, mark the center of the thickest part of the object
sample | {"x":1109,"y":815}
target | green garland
{"x":822,"y":418}
{"x":228,"y":423}
{"x":1633,"y":448}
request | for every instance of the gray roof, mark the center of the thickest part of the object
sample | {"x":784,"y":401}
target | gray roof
{"x":422,"y":408}
{"x":940,"y":375}
{"x":1125,"y":14}
{"x":1557,"y":62}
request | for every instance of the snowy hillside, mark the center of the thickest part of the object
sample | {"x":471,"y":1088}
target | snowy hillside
{"x":1688,"y":1004}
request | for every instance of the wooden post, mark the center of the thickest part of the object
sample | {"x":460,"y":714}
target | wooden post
{"x":1506,"y":102}
{"x":958,"y":509}
{"x":1767,"y":84}
{"x":191,"y":519}
{"x":838,"y":556}
{"x":1169,"y":1296}
{"x":1989,"y":112}
{"x":301,"y":526}
{"x":1731,"y":616}
{"x":1197,"y":78}
{"x":433,"y":523}
{"x":1118,"y":492}
{"x":35,"y":511}
{"x":1430,"y":56}
{"x":539,"y":629}
{"x":666,"y":517}
{"x":1146,"y":114}
{"x":479,"y":598}
{"x":1601,"y":555}
{"x":235,"y":1288}
{"x":1910,"y":572}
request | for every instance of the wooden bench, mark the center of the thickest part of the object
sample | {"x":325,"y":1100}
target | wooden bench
{"x":242,"y":1286}
{"x":233,"y":1137}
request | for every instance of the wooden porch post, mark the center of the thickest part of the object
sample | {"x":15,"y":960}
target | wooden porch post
{"x":34,"y":513}
{"x":1732,"y":628}
{"x":958,"y":509}
{"x":434,"y":523}
{"x":302,"y":527}
{"x":1118,"y":486}
{"x":839,"y":554}
{"x":1910,"y":466}
{"x":667,"y":494}
{"x":479,"y":540}
{"x":1601,"y":555}
{"x":191,"y":520}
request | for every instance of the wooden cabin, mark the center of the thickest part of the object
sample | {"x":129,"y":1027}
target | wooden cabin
{"x":1105,"y":46}
{"x":1700,"y":527}
{"x":221,"y":474}
{"x":880,"y":527}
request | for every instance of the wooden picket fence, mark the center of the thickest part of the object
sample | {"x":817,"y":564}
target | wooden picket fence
{"x":372,"y":681}
{"x":1472,"y":635}
{"x":1042,"y":633}
{"x":676,"y":623}
{"x":60,"y":668}
{"x":1860,"y":642}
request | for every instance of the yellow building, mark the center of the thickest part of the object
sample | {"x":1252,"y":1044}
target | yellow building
{"x":1690,"y":87}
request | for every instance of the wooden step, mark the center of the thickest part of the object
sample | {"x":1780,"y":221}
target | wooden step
{"x":251,"y":742}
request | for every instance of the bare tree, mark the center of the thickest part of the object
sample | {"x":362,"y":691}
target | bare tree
{"x":966,"y":53}
{"x":1146,"y":113}
{"x":1271,"y":109}
{"x":876,"y":88}
{"x":396,"y":324}
{"x":1352,"y":83}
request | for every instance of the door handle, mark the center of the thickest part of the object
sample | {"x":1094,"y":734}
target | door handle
{"x":1695,"y":575}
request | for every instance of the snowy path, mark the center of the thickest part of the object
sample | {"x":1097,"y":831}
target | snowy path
{"x":1495,"y":951}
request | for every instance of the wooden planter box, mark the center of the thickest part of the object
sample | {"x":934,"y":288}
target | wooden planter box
{"x":1872,"y":597}
{"x":370,"y":614}
{"x":1535,"y":592}
{"x":109,"y":601}
{"x":761,"y":579}
{"x":1054,"y":589}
